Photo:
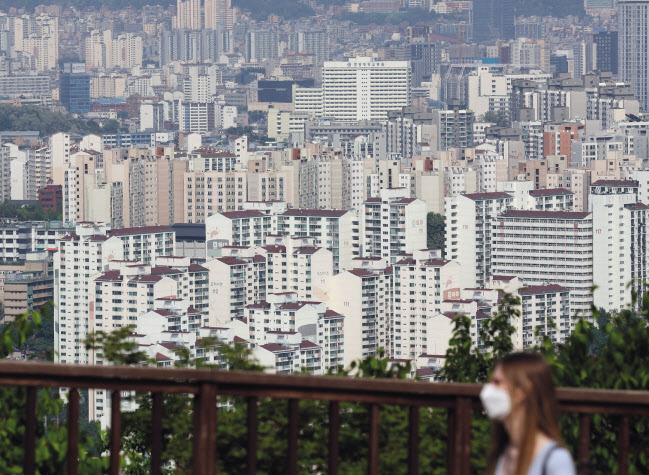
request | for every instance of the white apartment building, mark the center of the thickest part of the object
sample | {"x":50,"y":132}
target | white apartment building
{"x":192,"y":279}
{"x":237,"y":228}
{"x":470,"y":219}
{"x":145,"y":244}
{"x":619,"y":242}
{"x":321,"y":180}
{"x":39,"y":170}
{"x":364,"y":296}
{"x":298,"y":325}
{"x":546,"y":248}
{"x":236,"y":280}
{"x":82,"y":254}
{"x":421,"y":282}
{"x":335,"y":230}
{"x":545,"y":309}
{"x":296,"y":264}
{"x":18,"y":239}
{"x":393,"y":224}
{"x":551,"y":199}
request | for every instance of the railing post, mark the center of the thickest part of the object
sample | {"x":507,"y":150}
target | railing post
{"x":156,"y":433}
{"x":413,"y":441}
{"x":584,"y":443}
{"x":73,"y":432}
{"x":623,"y":446}
{"x":292,"y":436}
{"x":252,"y":435}
{"x":334,"y":430}
{"x":205,"y":430}
{"x":115,"y":430}
{"x":373,"y":454}
{"x":29,"y":463}
{"x":459,"y":438}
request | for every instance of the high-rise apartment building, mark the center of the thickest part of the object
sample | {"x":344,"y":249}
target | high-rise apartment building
{"x":546,"y":248}
{"x":105,"y":50}
{"x":261,"y":45}
{"x":493,"y":20}
{"x":619,"y":242}
{"x":315,"y":42}
{"x":470,"y":220}
{"x":454,"y":128}
{"x":393,"y":224}
{"x":81,"y":255}
{"x":218,"y":13}
{"x":421,"y":282}
{"x":188,"y":15}
{"x":633,"y":47}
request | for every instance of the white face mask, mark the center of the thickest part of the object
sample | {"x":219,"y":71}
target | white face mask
{"x":496,"y":402}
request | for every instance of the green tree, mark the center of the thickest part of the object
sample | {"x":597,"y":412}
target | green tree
{"x":436,"y":232}
{"x":51,"y":439}
{"x":500,"y":118}
{"x":28,"y":212}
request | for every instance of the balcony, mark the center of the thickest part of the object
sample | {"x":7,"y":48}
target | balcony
{"x":459,"y":400}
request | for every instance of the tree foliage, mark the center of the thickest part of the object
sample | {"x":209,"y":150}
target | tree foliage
{"x":614,"y":355}
{"x":28,"y":212}
{"x":411,"y":16}
{"x":500,"y":118}
{"x":436,"y":231}
{"x":51,"y":438}
{"x":47,"y":122}
{"x":261,"y":9}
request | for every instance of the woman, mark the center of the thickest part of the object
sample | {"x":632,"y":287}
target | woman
{"x":521,"y":401}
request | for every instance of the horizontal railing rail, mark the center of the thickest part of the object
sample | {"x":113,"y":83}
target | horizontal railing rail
{"x":206,"y":385}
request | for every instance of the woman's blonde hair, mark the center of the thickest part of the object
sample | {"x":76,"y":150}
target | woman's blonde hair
{"x":530,"y":373}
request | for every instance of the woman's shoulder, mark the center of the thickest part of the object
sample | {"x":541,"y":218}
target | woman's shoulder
{"x":559,"y":461}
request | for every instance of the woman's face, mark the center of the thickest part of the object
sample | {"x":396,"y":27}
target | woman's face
{"x":498,"y":379}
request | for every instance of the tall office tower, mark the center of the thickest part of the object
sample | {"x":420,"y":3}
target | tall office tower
{"x":219,"y":13}
{"x":315,"y":42}
{"x":75,"y":88}
{"x":633,"y":48}
{"x":188,"y":15}
{"x":493,"y":20}
{"x":606,"y":42}
{"x":262,"y":44}
{"x":364,"y":89}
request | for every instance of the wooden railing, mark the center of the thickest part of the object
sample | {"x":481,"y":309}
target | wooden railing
{"x":206,"y":385}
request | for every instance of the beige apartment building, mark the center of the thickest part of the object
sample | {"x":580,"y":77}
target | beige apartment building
{"x":210,"y":192}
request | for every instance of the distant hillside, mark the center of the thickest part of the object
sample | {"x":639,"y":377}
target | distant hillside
{"x":260,"y":9}
{"x":556,"y":8}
